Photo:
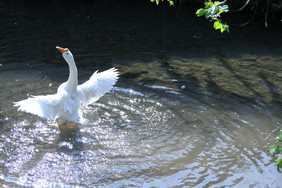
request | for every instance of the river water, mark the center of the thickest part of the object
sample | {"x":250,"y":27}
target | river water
{"x":192,"y":107}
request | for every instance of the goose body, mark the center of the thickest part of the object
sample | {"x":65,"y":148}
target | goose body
{"x":65,"y":104}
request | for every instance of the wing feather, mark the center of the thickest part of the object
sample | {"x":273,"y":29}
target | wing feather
{"x":44,"y":106}
{"x":97,"y":86}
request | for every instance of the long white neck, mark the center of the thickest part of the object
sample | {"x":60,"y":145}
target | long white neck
{"x":72,"y":81}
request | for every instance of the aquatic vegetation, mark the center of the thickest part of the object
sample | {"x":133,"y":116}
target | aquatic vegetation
{"x":277,"y":149}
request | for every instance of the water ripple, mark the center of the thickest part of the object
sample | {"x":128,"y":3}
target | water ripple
{"x":139,"y":139}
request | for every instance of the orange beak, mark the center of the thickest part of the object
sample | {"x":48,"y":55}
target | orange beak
{"x":62,"y":50}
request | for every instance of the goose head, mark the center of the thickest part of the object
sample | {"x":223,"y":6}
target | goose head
{"x":71,"y":84}
{"x":66,"y":54}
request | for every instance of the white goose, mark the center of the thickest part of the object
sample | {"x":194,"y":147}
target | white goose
{"x":65,"y":104}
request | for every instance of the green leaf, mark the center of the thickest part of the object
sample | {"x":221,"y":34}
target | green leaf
{"x":270,"y":147}
{"x":171,"y":2}
{"x":210,"y":12}
{"x":216,"y":3}
{"x":217,"y":25}
{"x":279,"y":138}
{"x":226,"y":28}
{"x":279,"y":163}
{"x":225,"y":8}
{"x":277,"y":150}
{"x":209,"y":4}
{"x":200,"y":12}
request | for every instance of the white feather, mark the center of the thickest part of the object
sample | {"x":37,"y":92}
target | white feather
{"x":97,"y":86}
{"x":65,"y":104}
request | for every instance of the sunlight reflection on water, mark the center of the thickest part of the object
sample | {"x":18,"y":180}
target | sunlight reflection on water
{"x":133,"y":138}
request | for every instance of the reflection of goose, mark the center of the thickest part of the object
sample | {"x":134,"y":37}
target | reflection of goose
{"x":65,"y":104}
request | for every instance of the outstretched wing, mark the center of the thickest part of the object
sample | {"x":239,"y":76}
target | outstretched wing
{"x":97,"y":86}
{"x":44,"y":106}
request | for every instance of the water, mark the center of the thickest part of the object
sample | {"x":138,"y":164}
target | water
{"x":183,"y":113}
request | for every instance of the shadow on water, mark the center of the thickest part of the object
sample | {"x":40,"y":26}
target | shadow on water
{"x":276,"y":95}
{"x":69,"y":141}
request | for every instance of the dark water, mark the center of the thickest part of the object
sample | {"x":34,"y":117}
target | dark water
{"x":191,"y":108}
